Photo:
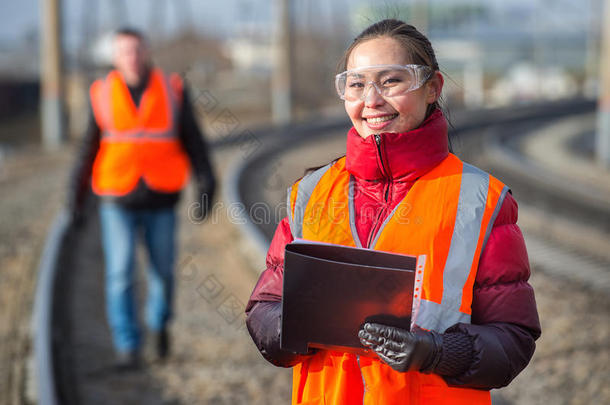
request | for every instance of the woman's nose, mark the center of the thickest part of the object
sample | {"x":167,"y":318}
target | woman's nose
{"x":372,"y":96}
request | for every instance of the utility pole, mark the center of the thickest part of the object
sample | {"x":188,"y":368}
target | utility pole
{"x":593,"y":46}
{"x":52,"y":94}
{"x":602,"y":146}
{"x":282,"y":91}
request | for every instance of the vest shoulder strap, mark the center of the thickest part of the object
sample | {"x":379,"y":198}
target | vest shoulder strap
{"x":475,"y":179}
{"x":299,"y":194}
{"x":174,"y":86}
{"x":98,"y":98}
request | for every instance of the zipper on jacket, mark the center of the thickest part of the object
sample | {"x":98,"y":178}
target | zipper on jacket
{"x":386,"y":193}
{"x":380,"y":152}
{"x":385,"y":170}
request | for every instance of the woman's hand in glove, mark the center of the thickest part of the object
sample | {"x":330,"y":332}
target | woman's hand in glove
{"x":401,"y":349}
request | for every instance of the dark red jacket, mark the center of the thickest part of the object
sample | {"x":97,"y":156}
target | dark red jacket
{"x":504,"y":317}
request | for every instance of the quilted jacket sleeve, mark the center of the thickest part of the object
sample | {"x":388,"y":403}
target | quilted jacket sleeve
{"x":505,"y":320}
{"x":264,"y":309}
{"x":269,"y":285}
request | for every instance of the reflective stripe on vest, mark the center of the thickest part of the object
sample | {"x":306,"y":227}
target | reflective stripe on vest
{"x":303,"y":192}
{"x":460,"y":264}
{"x":447,"y":216}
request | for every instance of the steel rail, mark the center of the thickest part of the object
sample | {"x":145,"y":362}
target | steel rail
{"x":42,"y":319}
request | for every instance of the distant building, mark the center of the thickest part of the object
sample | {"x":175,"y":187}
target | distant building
{"x":251,"y":54}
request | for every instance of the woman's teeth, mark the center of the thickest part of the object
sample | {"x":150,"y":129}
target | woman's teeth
{"x":379,"y":120}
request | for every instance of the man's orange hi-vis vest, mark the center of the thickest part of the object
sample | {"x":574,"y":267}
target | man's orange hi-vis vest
{"x":138,"y":142}
{"x":447,"y":216}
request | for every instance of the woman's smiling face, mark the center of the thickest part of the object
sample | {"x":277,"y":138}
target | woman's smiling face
{"x":376,"y":114}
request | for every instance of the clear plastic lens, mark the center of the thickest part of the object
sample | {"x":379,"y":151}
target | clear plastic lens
{"x":388,"y":80}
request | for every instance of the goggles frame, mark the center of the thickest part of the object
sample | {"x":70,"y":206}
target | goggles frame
{"x":421,"y":73}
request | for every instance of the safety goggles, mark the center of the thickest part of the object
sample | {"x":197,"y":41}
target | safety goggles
{"x":388,"y":80}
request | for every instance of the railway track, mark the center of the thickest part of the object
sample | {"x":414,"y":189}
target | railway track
{"x":475,"y":131}
{"x":491,"y":141}
{"x":72,"y":293}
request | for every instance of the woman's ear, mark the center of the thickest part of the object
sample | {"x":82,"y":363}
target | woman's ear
{"x":434,"y":87}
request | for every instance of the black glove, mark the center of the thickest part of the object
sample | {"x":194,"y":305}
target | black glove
{"x":403,"y":350}
{"x":202,"y":207}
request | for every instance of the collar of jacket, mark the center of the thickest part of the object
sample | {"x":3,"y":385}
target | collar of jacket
{"x":406,"y":156}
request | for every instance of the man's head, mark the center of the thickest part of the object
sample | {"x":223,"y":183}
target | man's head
{"x":131,"y":56}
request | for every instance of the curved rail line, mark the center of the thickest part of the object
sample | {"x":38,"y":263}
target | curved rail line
{"x":241,"y":189}
{"x":495,"y":134}
{"x":43,"y":311}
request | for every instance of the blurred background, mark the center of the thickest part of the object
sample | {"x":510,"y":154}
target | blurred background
{"x":254,"y":65}
{"x":495,"y":53}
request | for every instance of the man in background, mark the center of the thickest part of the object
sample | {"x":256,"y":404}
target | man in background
{"x":142,"y":139}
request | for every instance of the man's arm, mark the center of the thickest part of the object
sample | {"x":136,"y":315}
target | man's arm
{"x":197,"y":151}
{"x":81,"y":172}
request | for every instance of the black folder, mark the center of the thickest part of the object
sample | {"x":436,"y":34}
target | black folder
{"x":329,"y":291}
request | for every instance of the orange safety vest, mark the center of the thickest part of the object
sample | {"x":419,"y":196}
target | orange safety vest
{"x":138,"y":142}
{"x":447,"y":216}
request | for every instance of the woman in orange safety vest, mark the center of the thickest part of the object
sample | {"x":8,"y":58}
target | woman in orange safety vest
{"x":400,"y":189}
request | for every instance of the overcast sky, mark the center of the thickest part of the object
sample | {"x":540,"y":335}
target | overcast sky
{"x":20,"y":17}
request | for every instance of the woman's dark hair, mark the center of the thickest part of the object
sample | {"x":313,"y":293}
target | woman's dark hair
{"x":417,"y":46}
